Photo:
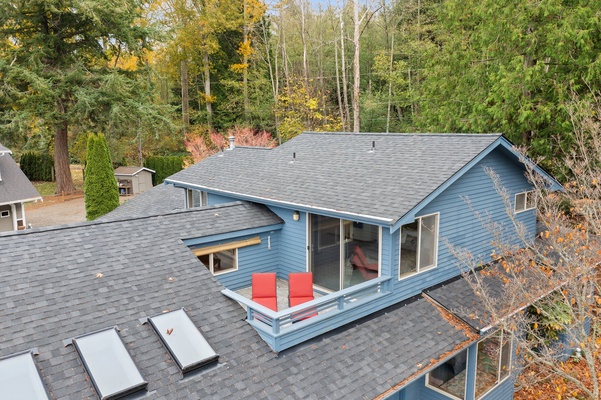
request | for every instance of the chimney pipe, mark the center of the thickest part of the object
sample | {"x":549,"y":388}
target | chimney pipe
{"x":231,"y":138}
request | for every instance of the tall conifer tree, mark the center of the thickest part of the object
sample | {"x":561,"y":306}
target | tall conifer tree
{"x":101,"y":192}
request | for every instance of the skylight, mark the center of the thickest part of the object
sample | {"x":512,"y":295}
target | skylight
{"x":20,"y":379}
{"x":183,"y":340}
{"x":109,"y":365}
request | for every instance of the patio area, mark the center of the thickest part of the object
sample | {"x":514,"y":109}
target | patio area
{"x":282,"y":287}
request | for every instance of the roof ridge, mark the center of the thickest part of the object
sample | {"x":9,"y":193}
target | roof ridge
{"x":403,"y":133}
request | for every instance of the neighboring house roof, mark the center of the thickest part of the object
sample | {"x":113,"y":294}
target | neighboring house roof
{"x":131,"y":170}
{"x":59,"y":283}
{"x":154,"y":201}
{"x":341,"y":173}
{"x":14,"y":185}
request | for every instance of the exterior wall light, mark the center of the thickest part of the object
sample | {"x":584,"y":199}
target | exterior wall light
{"x":296,"y":216}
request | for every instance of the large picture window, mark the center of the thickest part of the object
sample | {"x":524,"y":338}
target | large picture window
{"x":449,"y":378}
{"x":419,"y":245}
{"x":494,"y":362}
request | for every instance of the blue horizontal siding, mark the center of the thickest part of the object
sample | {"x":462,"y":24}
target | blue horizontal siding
{"x":293,"y":242}
{"x":502,"y":392}
{"x":458,"y":225}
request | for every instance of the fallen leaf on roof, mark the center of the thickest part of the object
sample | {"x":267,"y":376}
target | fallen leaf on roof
{"x":99,"y":275}
{"x":169,"y":331}
{"x":164,"y":311}
{"x":171,"y":279}
{"x":216,"y":214}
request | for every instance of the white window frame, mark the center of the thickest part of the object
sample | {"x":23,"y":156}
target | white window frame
{"x":419,"y":244}
{"x":4,"y":213}
{"x":204,"y":201}
{"x":527,"y":200}
{"x":498,"y":366}
{"x":218,"y":272}
{"x":447,"y":394}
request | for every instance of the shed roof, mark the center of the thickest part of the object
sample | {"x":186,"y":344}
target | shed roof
{"x":14,"y":185}
{"x":131,"y":170}
{"x":63,"y":282}
{"x":341,"y":172}
{"x":4,"y":150}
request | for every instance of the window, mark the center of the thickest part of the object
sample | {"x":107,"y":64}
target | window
{"x":449,"y":378}
{"x":183,"y":340}
{"x":108,"y":364}
{"x":196,"y":198}
{"x":20,"y":379}
{"x":4,"y":213}
{"x":222,"y":258}
{"x":419,"y":245}
{"x":493,"y":363}
{"x":221,"y":261}
{"x":525,"y":201}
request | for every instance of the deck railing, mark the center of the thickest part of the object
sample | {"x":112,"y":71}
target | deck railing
{"x":285,"y":328}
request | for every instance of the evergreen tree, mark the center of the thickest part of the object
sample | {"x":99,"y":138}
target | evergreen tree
{"x":62,"y":70}
{"x":101,"y":193}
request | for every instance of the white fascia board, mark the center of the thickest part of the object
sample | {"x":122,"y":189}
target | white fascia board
{"x":369,"y":219}
{"x":22,"y":201}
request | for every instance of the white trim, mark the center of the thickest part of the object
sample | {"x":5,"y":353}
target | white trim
{"x":212,"y":267}
{"x":283,"y":204}
{"x":419,"y":270}
{"x":4,"y":213}
{"x":14,"y":212}
{"x":22,"y":201}
{"x":447,"y":394}
{"x":526,"y":194}
{"x":133,"y":173}
{"x":307,"y":242}
{"x":498,"y":366}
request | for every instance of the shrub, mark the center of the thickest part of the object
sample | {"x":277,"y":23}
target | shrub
{"x":37,"y":166}
{"x":101,"y":193}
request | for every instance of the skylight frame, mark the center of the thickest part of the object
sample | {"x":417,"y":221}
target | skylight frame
{"x":180,"y":320}
{"x":95,"y":377}
{"x":35,"y":377}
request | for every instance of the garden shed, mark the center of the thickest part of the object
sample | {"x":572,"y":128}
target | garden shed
{"x":133,"y":180}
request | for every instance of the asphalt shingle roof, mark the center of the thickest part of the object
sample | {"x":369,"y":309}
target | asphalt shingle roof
{"x":338,"y":172}
{"x":154,"y":201}
{"x":58,"y":283}
{"x":130,"y":170}
{"x":14,"y":185}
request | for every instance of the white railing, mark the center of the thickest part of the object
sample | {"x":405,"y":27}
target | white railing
{"x":276,"y":324}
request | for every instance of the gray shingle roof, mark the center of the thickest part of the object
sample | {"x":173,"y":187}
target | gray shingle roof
{"x":337,"y":172}
{"x":154,"y":201}
{"x":14,"y":185}
{"x":458,"y":297}
{"x":50,"y":290}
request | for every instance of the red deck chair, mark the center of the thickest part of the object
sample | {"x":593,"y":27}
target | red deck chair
{"x":300,"y":290}
{"x":264,"y":290}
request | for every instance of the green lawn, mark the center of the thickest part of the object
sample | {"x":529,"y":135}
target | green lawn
{"x":48,"y":188}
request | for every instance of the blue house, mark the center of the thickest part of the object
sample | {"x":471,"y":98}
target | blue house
{"x":370,"y":215}
{"x":395,"y":199}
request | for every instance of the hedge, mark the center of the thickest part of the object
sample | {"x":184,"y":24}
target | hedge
{"x":164,"y":167}
{"x":37,"y":166}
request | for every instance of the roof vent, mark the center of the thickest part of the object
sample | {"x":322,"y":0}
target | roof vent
{"x":373,"y":146}
{"x":293,"y":158}
{"x":231,"y":138}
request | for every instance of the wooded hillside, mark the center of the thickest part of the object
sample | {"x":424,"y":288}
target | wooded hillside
{"x":152,"y":74}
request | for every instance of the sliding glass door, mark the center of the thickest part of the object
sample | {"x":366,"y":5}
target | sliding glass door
{"x":342,"y":253}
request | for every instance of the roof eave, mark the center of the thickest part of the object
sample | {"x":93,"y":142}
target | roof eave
{"x":369,"y":219}
{"x":29,"y":200}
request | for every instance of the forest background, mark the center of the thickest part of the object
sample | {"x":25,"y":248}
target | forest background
{"x":153,"y":76}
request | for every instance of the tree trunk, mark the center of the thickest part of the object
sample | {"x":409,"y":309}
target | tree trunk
{"x":245,"y":39}
{"x":64,"y":181}
{"x":338,"y":93}
{"x":208,"y":99}
{"x":356,"y":67}
{"x":390,"y":83}
{"x":304,"y":42}
{"x":345,"y":124}
{"x":185,"y":97}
